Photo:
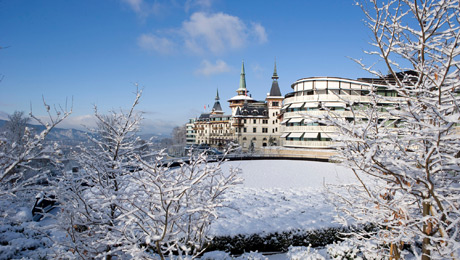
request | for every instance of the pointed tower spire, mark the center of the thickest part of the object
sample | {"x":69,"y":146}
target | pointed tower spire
{"x":275,"y":90}
{"x":275,"y":75}
{"x":242,"y":89}
{"x":217,"y":108}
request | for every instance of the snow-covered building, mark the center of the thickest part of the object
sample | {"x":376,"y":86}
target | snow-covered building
{"x":253,"y":124}
{"x":314,"y":96}
{"x":190,"y":134}
{"x":256,"y":123}
{"x":214,"y":128}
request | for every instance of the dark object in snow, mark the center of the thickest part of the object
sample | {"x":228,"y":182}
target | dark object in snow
{"x":43,"y":204}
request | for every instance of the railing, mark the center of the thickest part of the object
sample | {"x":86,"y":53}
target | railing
{"x":309,"y":144}
{"x":288,"y":115}
{"x":332,"y":97}
{"x":308,"y":129}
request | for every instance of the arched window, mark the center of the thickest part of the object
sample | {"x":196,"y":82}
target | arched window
{"x":244,"y":139}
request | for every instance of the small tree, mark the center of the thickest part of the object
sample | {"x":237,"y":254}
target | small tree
{"x":411,"y":150}
{"x":16,"y":126}
{"x":127,"y":202}
{"x":20,"y":181}
{"x":19,"y":145}
{"x":171,"y":209}
{"x":90,"y":204}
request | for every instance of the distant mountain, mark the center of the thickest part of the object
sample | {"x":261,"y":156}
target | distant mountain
{"x":73,"y":136}
{"x":3,"y":115}
{"x":70,"y":136}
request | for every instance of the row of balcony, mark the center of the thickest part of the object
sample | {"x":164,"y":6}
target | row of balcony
{"x":308,"y":128}
{"x":332,"y":97}
{"x":309,"y":144}
{"x":341,"y":114}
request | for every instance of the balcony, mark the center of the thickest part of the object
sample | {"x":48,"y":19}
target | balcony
{"x":308,"y":114}
{"x":309,"y":144}
{"x":308,"y":128}
{"x":332,"y":97}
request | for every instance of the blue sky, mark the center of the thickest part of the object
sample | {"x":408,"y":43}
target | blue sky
{"x":178,"y":51}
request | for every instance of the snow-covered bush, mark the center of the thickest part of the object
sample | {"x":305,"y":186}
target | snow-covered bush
{"x":303,"y":253}
{"x":216,"y":255}
{"x":171,"y":209}
{"x":128,"y":202}
{"x":20,"y":146}
{"x":343,"y":250}
{"x":252,"y":256}
{"x":90,"y":205}
{"x":20,"y":180}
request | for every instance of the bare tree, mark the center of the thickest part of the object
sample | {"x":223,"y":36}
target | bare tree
{"x":16,"y":126}
{"x":19,"y":145}
{"x":124,"y":203}
{"x":178,"y":135}
{"x":409,"y":151}
{"x":171,"y":209}
{"x":91,"y":210}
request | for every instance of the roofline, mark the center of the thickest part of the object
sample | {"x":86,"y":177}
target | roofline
{"x":333,"y":78}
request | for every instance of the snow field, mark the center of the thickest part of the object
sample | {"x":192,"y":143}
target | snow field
{"x":279,"y":195}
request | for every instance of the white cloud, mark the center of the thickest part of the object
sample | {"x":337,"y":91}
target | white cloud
{"x":259,"y":32}
{"x":134,"y":4}
{"x":144,"y":8}
{"x":215,"y":32}
{"x":151,"y":42}
{"x":207,"y":68}
{"x":206,"y":32}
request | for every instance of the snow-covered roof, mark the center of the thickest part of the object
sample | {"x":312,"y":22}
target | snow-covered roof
{"x":241,"y":97}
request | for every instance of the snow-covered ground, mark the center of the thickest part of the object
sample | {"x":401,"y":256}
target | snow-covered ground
{"x":276,"y":196}
{"x":280,"y":195}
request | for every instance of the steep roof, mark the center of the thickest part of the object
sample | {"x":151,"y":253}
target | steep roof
{"x":275,"y":90}
{"x":217,"y":107}
{"x":250,"y":110}
{"x":242,"y":87}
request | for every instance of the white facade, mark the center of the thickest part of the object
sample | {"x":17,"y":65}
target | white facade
{"x":312,"y":97}
{"x":190,"y":137}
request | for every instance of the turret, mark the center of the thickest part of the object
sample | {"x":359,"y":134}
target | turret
{"x":217,"y":109}
{"x":274,"y":98}
{"x":238,"y":100}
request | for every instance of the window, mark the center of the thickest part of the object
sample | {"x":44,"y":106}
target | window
{"x":254,"y":130}
{"x":264,"y":130}
{"x":244,"y":130}
{"x":275,"y":104}
{"x":244,"y":121}
{"x":254,"y":121}
{"x":265,"y":121}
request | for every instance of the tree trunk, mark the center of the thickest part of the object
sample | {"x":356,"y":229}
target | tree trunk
{"x":426,"y":253}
